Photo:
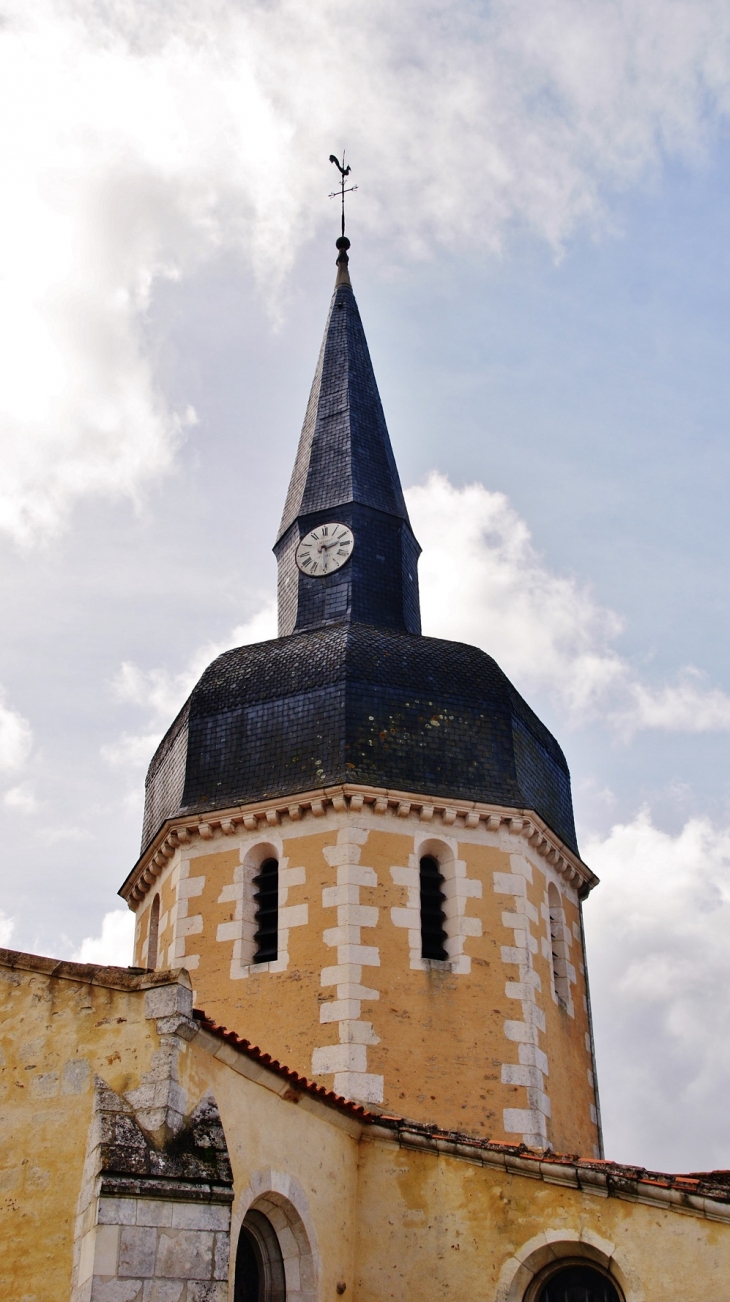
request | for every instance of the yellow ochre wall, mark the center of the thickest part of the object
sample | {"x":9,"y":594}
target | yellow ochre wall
{"x":431,"y":1227}
{"x":55,"y":1036}
{"x":480,"y":1043}
{"x":386,"y":1221}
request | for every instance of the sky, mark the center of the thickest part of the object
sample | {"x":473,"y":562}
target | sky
{"x":541,"y":261}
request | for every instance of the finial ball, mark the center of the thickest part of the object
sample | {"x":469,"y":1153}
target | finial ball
{"x":342,"y":242}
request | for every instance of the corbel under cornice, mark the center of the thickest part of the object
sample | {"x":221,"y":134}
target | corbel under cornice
{"x":378,"y":801}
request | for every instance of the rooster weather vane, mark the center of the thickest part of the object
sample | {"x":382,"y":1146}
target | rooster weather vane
{"x":343,"y":190}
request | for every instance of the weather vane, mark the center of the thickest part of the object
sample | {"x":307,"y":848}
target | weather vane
{"x":343,"y":190}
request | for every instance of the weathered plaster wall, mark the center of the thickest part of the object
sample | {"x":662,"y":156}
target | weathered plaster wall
{"x":55,"y":1036}
{"x":292,"y":1154}
{"x":434,"y":1227}
{"x":290,"y":1157}
{"x":482,"y":1043}
{"x":351,"y":1205}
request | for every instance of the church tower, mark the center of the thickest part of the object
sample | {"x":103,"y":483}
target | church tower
{"x":360,"y":840}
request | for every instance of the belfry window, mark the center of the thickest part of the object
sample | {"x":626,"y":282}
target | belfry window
{"x":266,"y":902}
{"x":154,"y":932}
{"x":433,"y":931}
{"x":558,"y":947}
{"x":577,"y":1284}
{"x":259,"y":1264}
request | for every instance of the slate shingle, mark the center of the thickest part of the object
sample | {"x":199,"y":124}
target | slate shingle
{"x":350,"y":691}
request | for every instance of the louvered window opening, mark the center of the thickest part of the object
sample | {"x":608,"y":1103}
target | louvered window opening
{"x":433,"y":919}
{"x":557,"y":946}
{"x":266,"y":899}
{"x":154,"y":933}
{"x":578,"y":1284}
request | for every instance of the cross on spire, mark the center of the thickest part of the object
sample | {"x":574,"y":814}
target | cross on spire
{"x":343,"y":190}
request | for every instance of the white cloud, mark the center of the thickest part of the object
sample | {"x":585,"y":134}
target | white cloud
{"x":162,"y":693}
{"x":113,"y":947}
{"x":659,"y":959}
{"x":54,"y":835}
{"x":138,"y":140}
{"x":21,"y":798}
{"x":7,"y":927}
{"x":16,"y":737}
{"x":483,"y":582}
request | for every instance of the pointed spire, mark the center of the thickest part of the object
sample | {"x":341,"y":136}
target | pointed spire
{"x":345,"y":472}
{"x":344,"y":452}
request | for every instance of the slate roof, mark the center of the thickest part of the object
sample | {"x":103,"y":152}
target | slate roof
{"x":354,"y":703}
{"x":345,"y":473}
{"x":350,"y":691}
{"x":344,"y":452}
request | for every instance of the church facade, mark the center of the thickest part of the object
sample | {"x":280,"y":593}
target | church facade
{"x":354,"y":1054}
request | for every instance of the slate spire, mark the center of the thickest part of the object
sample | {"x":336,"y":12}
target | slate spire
{"x":345,"y":473}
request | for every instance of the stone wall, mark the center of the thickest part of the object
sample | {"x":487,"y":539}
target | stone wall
{"x":483,"y":1042}
{"x":130,"y":1138}
{"x":152,"y":1250}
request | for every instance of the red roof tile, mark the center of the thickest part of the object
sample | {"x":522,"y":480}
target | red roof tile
{"x":618,"y":1176}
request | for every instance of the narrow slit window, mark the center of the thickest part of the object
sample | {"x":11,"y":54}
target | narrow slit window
{"x":266,"y":900}
{"x":433,"y":930}
{"x":154,"y":932}
{"x":557,"y":945}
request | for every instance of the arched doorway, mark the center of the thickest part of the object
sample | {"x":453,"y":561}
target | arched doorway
{"x":259,"y":1263}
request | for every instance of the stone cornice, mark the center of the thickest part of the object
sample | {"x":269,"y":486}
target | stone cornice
{"x":378,"y":801}
{"x":94,"y":974}
{"x":699,"y":1194}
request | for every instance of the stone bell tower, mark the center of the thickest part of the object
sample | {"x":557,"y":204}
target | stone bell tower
{"x":359,"y":840}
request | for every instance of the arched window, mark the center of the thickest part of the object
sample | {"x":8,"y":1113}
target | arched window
{"x":154,"y":931}
{"x":259,"y":1263}
{"x":558,"y":946}
{"x":266,"y":902}
{"x":433,"y":931}
{"x":577,"y":1284}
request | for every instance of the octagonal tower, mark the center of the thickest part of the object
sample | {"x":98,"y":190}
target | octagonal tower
{"x":360,"y":840}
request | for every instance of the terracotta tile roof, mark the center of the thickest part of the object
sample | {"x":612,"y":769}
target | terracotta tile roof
{"x":297,"y":1082}
{"x":616,"y":1177}
{"x":687,"y":1192}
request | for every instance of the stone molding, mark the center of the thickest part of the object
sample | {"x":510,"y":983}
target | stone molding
{"x":95,"y":974}
{"x":600,"y":1178}
{"x":521,"y":1275}
{"x":379,"y":802}
{"x":283,"y":1201}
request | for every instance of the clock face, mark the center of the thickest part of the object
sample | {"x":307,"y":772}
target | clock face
{"x":324,"y":549}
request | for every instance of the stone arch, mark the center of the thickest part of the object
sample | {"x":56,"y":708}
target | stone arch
{"x":442,"y":848}
{"x":281,"y":1199}
{"x":519,"y":1280}
{"x":260,"y":850}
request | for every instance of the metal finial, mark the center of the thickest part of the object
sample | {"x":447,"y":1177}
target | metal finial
{"x":343,"y":190}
